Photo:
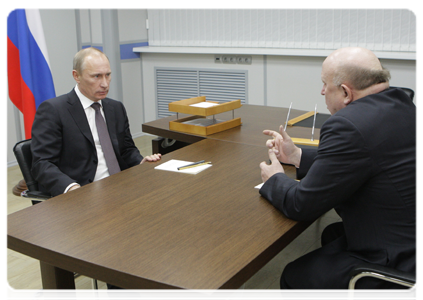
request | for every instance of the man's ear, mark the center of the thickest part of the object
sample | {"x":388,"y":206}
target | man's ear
{"x":75,"y":75}
{"x":348,"y":94}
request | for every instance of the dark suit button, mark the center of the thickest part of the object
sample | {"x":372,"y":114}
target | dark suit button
{"x":90,"y":180}
{"x":95,"y":161}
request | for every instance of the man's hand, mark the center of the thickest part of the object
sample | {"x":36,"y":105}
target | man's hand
{"x":154,"y":157}
{"x":268,"y":171}
{"x":77,"y":186}
{"x":283,"y":146}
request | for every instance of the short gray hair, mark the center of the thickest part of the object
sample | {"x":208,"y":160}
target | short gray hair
{"x":79,"y":58}
{"x":360,"y":78}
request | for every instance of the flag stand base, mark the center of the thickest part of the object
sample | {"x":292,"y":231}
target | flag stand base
{"x":19,"y":188}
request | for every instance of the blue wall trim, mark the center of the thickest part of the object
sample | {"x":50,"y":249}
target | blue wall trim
{"x":126,"y":50}
{"x":98,"y":47}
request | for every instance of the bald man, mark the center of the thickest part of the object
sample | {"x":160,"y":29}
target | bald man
{"x":364,"y":168}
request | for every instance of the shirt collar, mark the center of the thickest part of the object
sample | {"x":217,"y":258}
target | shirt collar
{"x":84,"y":100}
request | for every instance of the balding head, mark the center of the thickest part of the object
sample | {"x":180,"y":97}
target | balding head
{"x":357,"y":67}
{"x":79,"y":58}
{"x":349,"y":74}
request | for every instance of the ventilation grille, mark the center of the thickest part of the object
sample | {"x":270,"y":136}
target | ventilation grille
{"x":216,"y":85}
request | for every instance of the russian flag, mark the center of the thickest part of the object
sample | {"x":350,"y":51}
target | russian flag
{"x":28,"y":70}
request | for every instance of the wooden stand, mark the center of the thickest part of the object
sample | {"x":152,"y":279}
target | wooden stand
{"x":302,"y":141}
{"x":192,"y":124}
{"x":305,"y":142}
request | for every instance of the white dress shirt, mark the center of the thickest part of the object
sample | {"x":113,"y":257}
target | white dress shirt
{"x":102,"y":170}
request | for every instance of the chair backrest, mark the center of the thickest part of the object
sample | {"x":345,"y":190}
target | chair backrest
{"x":409,"y":92}
{"x":23,"y":154}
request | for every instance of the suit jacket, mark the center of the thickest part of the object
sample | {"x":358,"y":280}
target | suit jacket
{"x":365,"y":168}
{"x":63,"y":147}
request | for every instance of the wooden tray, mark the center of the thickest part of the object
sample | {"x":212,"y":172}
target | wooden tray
{"x":183,"y":106}
{"x":178,"y":125}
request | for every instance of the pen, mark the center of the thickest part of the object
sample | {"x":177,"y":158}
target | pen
{"x":199,"y":163}
{"x":287,"y":117}
{"x":193,"y":164}
{"x":314,"y":123}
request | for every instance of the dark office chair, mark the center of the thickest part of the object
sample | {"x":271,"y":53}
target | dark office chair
{"x":382,"y":273}
{"x":23,"y":154}
{"x":409,"y":92}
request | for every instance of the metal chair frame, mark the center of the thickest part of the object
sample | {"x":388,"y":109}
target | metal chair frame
{"x":383,"y":273}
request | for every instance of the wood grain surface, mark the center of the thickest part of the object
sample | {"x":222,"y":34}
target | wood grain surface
{"x":254,"y":120}
{"x":146,"y":228}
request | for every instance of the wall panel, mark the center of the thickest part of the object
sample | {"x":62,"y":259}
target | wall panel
{"x":382,"y":29}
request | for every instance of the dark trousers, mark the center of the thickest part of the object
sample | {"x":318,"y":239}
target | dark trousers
{"x":328,"y":267}
{"x":117,"y":293}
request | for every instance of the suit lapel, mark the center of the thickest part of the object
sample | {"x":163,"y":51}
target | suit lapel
{"x":78,"y":114}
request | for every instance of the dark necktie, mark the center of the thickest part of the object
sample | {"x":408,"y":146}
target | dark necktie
{"x":106,"y":143}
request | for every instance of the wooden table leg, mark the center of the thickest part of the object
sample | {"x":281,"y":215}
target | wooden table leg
{"x":56,"y":278}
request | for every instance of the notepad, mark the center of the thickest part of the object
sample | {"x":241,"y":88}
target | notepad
{"x":174,"y":164}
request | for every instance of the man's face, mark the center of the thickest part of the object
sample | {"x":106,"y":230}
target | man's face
{"x":95,"y":78}
{"x":334,"y":95}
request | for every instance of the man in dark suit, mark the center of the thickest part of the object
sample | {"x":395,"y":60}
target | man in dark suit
{"x":66,"y":143}
{"x":364,"y":167}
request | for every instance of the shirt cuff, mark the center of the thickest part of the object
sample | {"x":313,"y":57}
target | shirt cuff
{"x":69,"y":186}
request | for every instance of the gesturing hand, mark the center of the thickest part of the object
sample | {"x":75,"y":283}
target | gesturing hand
{"x":283,"y":147}
{"x":268,"y":171}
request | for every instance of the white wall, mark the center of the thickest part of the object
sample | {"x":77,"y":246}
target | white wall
{"x":132,"y":28}
{"x":296,"y":80}
{"x":403,"y":73}
{"x":153,"y":60}
{"x":132,"y":96}
{"x":272,"y":80}
{"x":60,"y":32}
{"x":132,"y":25}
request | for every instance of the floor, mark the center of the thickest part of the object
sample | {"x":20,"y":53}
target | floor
{"x":23,"y":272}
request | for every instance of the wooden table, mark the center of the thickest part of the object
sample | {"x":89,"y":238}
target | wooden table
{"x":146,"y":228}
{"x":254,"y":120}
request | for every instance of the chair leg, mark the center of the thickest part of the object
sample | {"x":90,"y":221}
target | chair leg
{"x":95,"y":289}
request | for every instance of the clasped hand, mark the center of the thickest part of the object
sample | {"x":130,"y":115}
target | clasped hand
{"x":281,"y":149}
{"x":152,"y":158}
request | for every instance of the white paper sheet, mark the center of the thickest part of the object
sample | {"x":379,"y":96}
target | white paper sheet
{"x":174,"y":164}
{"x":204,"y":104}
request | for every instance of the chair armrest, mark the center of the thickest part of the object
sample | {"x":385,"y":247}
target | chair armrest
{"x":382,"y":273}
{"x":386,"y":271}
{"x":35,"y":195}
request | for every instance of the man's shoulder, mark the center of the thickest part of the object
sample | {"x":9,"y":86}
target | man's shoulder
{"x":59,"y":100}
{"x":111,"y":101}
{"x":108,"y":102}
